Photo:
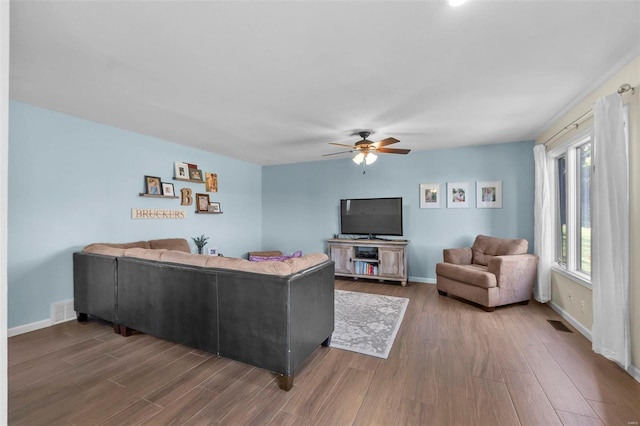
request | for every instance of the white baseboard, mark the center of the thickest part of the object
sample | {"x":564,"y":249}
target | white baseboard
{"x":564,"y":314}
{"x":60,"y":312}
{"x":422,"y":280}
{"x":635,"y":372}
{"x":21,"y":329}
{"x":632,"y":370}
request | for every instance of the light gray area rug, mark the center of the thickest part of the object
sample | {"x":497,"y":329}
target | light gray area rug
{"x":367,"y":323}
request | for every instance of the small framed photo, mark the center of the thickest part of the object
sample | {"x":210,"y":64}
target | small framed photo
{"x":458,"y":195}
{"x":430,"y":195}
{"x":214,"y":207}
{"x":211,"y":182}
{"x":181,"y":170}
{"x":167,"y":189}
{"x":489,"y":194}
{"x":202,"y":202}
{"x":212,"y":251}
{"x":195,"y":174}
{"x":152,"y":185}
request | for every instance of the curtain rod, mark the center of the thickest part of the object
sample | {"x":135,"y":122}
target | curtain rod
{"x":575,"y":123}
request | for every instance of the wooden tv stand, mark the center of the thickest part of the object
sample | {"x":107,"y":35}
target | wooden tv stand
{"x":375,"y":259}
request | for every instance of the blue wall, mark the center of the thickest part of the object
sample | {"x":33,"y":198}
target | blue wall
{"x":74,"y":182}
{"x":300,"y":207}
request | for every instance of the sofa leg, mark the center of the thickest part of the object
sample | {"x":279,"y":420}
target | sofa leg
{"x":81,"y":317}
{"x":285,"y":382}
{"x":524,"y":302}
{"x":488,"y":309}
{"x":124,"y":331}
{"x":327,"y":341}
{"x":116,"y":328}
{"x":442,"y":293}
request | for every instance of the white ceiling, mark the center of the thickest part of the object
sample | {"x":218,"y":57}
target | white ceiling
{"x":273,"y":82}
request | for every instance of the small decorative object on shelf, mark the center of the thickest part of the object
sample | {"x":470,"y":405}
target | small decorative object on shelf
{"x":154,"y":188}
{"x":187,"y":172}
{"x":181,"y":170}
{"x":202,"y":203}
{"x":214,"y":207}
{"x":195,"y":174}
{"x":200,"y":241}
{"x":152,"y":185}
{"x":167,"y":189}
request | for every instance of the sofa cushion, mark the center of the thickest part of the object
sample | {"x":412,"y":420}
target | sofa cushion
{"x":104,"y":249}
{"x":301,"y":263}
{"x":484,"y":248}
{"x":179,"y":244}
{"x":141,"y":253}
{"x":268,"y":267}
{"x":280,"y":257}
{"x":91,"y":248}
{"x":476,"y":275}
{"x":176,"y":256}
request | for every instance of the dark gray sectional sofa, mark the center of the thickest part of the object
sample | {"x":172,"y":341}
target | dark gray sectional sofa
{"x":269,"y":315}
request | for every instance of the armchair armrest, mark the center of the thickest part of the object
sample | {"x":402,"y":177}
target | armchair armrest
{"x":516,"y":272}
{"x":459,"y":256}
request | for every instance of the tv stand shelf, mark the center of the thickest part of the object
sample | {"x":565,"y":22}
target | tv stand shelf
{"x":375,"y":259}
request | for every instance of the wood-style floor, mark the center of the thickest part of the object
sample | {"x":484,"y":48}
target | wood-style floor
{"x":451,"y":364}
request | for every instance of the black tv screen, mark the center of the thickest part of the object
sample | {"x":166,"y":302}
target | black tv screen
{"x":371,"y":216}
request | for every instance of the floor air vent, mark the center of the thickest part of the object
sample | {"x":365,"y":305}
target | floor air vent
{"x":559,"y":325}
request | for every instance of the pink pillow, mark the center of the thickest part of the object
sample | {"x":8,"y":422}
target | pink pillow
{"x":280,"y":258}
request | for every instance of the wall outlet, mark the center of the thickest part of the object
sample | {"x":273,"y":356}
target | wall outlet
{"x":570,"y":296}
{"x":582,"y":305}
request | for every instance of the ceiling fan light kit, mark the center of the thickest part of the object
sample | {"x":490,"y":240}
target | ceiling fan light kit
{"x":365,"y":149}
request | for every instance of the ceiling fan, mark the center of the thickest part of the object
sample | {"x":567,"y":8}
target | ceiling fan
{"x":366,"y":149}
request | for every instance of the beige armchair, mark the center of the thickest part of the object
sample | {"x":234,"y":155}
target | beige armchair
{"x":492,"y":272}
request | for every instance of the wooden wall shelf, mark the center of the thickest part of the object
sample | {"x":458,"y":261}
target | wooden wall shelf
{"x":142,"y":194}
{"x":208,"y":212}
{"x":188,"y":180}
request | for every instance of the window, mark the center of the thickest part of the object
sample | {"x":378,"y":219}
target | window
{"x":572,"y":188}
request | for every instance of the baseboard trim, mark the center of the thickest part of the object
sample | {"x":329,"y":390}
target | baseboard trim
{"x":632,"y":370}
{"x":422,"y":280}
{"x":21,"y":329}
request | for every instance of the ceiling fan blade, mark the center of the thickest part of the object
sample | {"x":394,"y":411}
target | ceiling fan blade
{"x":393,"y":151}
{"x":336,"y":153}
{"x":385,"y":142}
{"x":341,"y":144}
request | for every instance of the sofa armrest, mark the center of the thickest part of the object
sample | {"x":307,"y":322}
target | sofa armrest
{"x":459,"y":256}
{"x":516,"y":272}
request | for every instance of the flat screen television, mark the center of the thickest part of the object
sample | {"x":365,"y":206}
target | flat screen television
{"x":371,"y":216}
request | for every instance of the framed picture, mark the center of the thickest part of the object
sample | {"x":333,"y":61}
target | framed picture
{"x":152,"y":185}
{"x":458,"y":195}
{"x":181,"y":170}
{"x":167,"y":189}
{"x":212,"y":251}
{"x":214,"y":207}
{"x":195,"y":174}
{"x":211,"y":182}
{"x":202,"y":202}
{"x":489,"y":194}
{"x":430,"y":195}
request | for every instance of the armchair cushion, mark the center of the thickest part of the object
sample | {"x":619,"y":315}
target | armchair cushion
{"x":475,"y":275}
{"x":485,"y":247}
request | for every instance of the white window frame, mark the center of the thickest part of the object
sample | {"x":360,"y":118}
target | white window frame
{"x":568,"y":149}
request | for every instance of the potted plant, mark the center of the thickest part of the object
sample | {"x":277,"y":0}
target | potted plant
{"x":200,"y":241}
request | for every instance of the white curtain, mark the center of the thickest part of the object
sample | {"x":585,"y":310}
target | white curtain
{"x":610,"y":233}
{"x":542,"y":231}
